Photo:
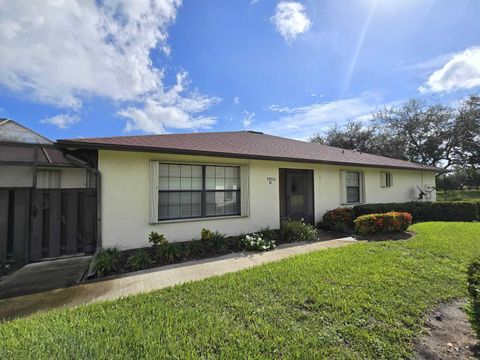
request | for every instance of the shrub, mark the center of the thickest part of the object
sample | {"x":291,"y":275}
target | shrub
{"x":382,"y":223}
{"x":213,"y":241}
{"x":157,"y":239}
{"x":296,"y":230}
{"x":256,"y":242}
{"x":425,"y":211}
{"x":340,"y":219}
{"x":108,"y":261}
{"x":473,"y":279}
{"x":473,"y":282}
{"x":268,"y":233}
{"x":139,"y":260}
{"x":163,"y":250}
{"x":170,"y":253}
{"x":454,"y":211}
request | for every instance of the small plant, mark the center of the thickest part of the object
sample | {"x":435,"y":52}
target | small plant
{"x":382,"y":223}
{"x":340,"y":219}
{"x":170,"y":253}
{"x":297,"y":230}
{"x":214,"y":241}
{"x":256,"y":242}
{"x":162,"y":249}
{"x":108,"y":261}
{"x":157,"y":239}
{"x":206,"y":235}
{"x":139,"y":260}
{"x":268,"y":233}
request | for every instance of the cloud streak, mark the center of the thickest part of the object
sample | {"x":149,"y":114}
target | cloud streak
{"x":304,"y":121}
{"x":62,"y":121}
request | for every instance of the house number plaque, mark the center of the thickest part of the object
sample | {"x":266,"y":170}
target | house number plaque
{"x":271,"y":179}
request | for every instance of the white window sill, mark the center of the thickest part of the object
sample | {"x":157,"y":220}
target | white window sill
{"x":160,"y":222}
{"x":352,"y":204}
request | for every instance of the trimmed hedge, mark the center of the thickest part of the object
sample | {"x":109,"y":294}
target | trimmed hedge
{"x":473,"y":282}
{"x":339,"y":219}
{"x":382,"y":223}
{"x":426,"y":211}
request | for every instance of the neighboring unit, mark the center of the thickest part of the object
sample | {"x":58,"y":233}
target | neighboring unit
{"x":48,"y":205}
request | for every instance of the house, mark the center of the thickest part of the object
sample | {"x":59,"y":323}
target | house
{"x":28,"y":159}
{"x":233,"y":182}
{"x":48,"y":204}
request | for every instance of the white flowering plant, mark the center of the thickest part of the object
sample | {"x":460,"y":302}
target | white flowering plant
{"x":297,"y":230}
{"x":257,"y":242}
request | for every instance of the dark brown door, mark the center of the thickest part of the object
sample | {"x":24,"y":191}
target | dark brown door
{"x":296,"y":195}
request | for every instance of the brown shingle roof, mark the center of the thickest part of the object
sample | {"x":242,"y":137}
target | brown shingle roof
{"x":242,"y":144}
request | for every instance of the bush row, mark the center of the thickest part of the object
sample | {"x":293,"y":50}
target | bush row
{"x":382,"y":223}
{"x":425,"y":211}
{"x":473,"y":281}
{"x":211,"y":243}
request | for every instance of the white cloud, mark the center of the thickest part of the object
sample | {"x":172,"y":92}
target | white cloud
{"x":62,"y":121}
{"x":462,"y":71}
{"x":290,"y":19}
{"x":236,"y":100}
{"x":171,"y":109}
{"x":61,"y":52}
{"x":248,"y":119}
{"x":304,"y":121}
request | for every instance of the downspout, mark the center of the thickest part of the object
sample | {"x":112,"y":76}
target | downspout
{"x":98,"y":186}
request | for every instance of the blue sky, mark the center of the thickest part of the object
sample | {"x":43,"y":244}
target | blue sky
{"x":292,"y":68}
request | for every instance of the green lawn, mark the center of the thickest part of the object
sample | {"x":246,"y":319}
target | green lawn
{"x":360,"y":301}
{"x":458,"y":195}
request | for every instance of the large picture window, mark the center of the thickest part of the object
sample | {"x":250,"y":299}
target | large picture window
{"x":195,"y":191}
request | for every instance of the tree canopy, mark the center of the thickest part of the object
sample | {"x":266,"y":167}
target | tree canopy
{"x":440,"y":135}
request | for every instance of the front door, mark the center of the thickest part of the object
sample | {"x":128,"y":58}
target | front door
{"x":296,"y":201}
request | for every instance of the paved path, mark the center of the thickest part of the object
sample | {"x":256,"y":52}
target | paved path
{"x":43,"y":276}
{"x":153,"y":279}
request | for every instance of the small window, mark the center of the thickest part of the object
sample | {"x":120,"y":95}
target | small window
{"x":353,"y":186}
{"x":386,"y":179}
{"x":48,"y":179}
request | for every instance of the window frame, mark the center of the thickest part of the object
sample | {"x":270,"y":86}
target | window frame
{"x":203,"y":192}
{"x":344,"y":187}
{"x":48,"y":178}
{"x":386,"y":179}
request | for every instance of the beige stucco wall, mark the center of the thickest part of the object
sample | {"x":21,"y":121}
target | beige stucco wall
{"x":21,"y":176}
{"x":126,"y":195}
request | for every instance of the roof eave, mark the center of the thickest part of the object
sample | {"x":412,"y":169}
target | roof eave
{"x":136,"y":148}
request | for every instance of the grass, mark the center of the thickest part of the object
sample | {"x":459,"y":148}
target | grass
{"x":458,"y":195}
{"x":366,"y":300}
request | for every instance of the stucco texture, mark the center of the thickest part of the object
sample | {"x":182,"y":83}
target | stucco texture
{"x":126,"y":195}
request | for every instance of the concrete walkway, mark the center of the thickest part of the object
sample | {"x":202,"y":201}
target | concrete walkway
{"x":153,"y":279}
